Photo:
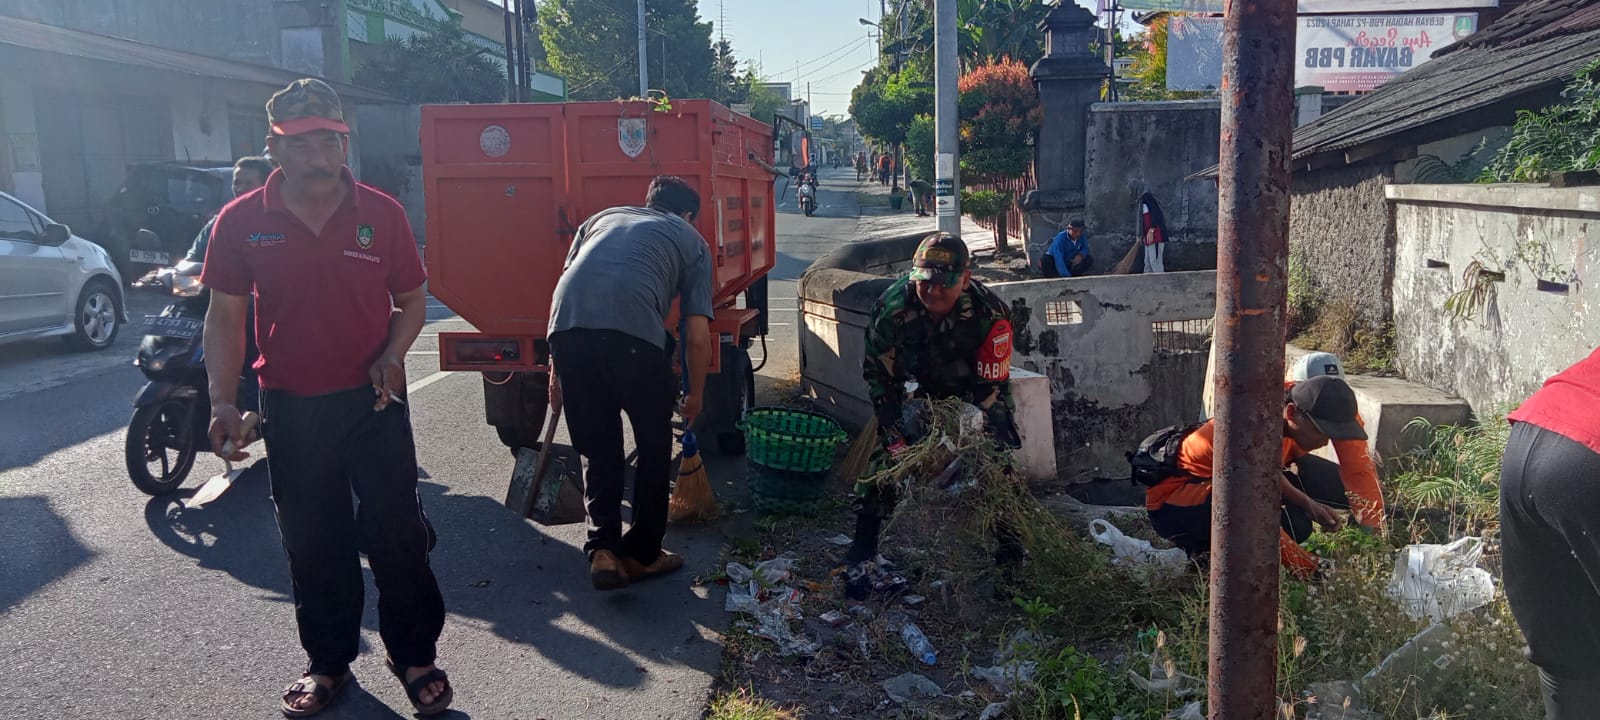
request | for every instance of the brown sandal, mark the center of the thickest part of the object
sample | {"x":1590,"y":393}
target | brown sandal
{"x":322,"y":695}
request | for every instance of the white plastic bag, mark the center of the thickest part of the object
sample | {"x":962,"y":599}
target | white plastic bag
{"x":1135,"y":552}
{"x":1441,"y":581}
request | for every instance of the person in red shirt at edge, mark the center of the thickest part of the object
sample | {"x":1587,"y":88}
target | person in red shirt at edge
{"x":329,"y":261}
{"x":1550,"y":535}
{"x":1315,"y":411}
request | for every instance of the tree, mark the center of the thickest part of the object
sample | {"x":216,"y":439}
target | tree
{"x":1560,"y":138}
{"x":1000,"y":116}
{"x":437,"y":67}
{"x":595,"y":47}
{"x":729,"y":85}
{"x":987,"y":30}
{"x":885,"y":104}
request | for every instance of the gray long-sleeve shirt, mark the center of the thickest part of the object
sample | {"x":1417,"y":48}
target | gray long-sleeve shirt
{"x":626,"y":266}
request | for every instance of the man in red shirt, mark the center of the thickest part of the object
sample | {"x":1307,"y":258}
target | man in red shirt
{"x":1550,"y":535}
{"x":329,"y":261}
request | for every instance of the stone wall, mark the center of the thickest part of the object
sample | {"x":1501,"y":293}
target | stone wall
{"x":1532,"y":324}
{"x":1125,"y":356}
{"x":1341,"y":231}
{"x":1139,"y":147}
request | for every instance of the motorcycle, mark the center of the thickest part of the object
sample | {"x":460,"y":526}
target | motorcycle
{"x":808,"y":195}
{"x":173,"y":409}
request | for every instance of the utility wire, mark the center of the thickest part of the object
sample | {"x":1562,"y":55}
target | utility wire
{"x":632,"y":58}
{"x":842,"y":48}
{"x":810,"y":73}
{"x":630,"y":18}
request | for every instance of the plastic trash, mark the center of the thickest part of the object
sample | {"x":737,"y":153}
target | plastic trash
{"x":1424,"y":663}
{"x":918,"y":644}
{"x":993,"y":711}
{"x":904,"y":689}
{"x":775,"y":571}
{"x":1188,"y":712}
{"x":1439,"y":582}
{"x":1165,"y":678}
{"x":1005,"y":678}
{"x":739,"y":573}
{"x":1134,"y":552}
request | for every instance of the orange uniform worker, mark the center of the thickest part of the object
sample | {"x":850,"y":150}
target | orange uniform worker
{"x":1316,"y":411}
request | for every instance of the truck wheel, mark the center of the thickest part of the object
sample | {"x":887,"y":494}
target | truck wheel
{"x":517,"y":408}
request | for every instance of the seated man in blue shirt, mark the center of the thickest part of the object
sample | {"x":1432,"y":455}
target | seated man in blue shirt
{"x":1068,"y":254}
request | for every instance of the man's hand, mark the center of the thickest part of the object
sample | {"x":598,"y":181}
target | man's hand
{"x":228,"y":433}
{"x":388,"y":376}
{"x":1324,"y":516}
{"x":690,"y":409}
{"x":554,"y":395}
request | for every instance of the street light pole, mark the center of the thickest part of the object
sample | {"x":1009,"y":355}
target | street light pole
{"x":644,"y":70}
{"x":946,"y":184}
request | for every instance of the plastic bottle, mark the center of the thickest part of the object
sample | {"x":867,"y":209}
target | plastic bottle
{"x":918,"y":644}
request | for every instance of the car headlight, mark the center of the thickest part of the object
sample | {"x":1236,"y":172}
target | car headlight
{"x":186,"y":285}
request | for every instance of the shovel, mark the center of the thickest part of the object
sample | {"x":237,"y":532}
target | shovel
{"x":219,"y":483}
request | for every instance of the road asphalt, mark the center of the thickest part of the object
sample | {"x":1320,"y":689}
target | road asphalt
{"x":117,"y":605}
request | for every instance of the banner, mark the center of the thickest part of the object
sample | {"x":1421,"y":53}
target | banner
{"x":1308,"y":7}
{"x":1339,"y":53}
{"x":1355,"y":53}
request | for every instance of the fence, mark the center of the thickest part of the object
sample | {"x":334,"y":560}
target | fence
{"x":1014,"y":222}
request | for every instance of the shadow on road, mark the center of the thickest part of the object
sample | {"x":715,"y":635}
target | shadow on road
{"x":38,"y":548}
{"x":491,"y":566}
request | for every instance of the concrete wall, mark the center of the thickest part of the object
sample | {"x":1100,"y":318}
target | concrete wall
{"x":1142,"y":147}
{"x":1342,"y":231}
{"x":1523,"y":334}
{"x":1115,"y":374}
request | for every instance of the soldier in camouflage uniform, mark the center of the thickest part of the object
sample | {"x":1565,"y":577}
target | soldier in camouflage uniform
{"x":953,"y":336}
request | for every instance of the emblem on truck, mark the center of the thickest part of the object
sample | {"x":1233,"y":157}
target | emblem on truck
{"x":630,"y":136}
{"x":494,"y":141}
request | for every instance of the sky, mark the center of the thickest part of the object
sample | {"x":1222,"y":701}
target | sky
{"x":824,"y":36}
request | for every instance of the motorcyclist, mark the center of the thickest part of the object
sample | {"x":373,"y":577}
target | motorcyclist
{"x":249,"y":173}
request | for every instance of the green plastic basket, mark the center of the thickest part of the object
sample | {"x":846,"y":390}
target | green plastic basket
{"x":786,"y":492}
{"x":788,"y":439}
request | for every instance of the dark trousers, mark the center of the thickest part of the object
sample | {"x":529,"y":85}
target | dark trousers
{"x":603,"y":374}
{"x":1189,"y":526}
{"x":1550,"y":530}
{"x":1079,"y":267}
{"x":320,"y":450}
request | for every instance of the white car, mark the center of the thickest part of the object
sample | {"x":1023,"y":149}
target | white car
{"x":54,"y":283}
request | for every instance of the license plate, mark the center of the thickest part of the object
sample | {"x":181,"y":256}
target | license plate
{"x":173,"y":327}
{"x":153,"y":257}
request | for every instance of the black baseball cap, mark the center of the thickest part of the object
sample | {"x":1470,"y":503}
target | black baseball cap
{"x":941,"y":259}
{"x":1331,"y":405}
{"x":1076,"y":223}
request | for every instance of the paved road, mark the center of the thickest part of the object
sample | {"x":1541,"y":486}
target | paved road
{"x":116,"y":605}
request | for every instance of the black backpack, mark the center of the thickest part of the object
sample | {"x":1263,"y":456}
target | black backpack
{"x":1156,"y":459}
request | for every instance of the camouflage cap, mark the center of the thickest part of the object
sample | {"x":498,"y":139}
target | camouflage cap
{"x":941,"y":258}
{"x":308,"y":104}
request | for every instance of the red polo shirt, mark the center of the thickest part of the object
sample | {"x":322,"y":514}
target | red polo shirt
{"x":1568,"y":404}
{"x":323,"y":300}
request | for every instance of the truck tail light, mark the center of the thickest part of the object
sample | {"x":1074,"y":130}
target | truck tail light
{"x":472,"y":351}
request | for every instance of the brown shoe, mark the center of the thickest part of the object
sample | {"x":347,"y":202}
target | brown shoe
{"x":666,"y":563}
{"x":606,"y":572}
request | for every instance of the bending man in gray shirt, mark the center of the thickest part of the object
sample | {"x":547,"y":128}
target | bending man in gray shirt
{"x":608,"y":344}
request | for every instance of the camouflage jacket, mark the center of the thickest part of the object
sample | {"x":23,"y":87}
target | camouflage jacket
{"x":967,"y":355}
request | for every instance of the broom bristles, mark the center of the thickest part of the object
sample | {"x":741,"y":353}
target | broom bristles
{"x":1126,"y":266}
{"x":692,"y":498}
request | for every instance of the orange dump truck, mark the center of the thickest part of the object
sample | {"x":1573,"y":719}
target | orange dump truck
{"x":507,"y":186}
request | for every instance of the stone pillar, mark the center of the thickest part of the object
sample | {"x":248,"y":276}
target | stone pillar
{"x":1069,"y":78}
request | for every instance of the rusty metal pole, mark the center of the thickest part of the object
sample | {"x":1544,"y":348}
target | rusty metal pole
{"x":1252,"y":252}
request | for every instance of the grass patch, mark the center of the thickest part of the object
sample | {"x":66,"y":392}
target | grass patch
{"x":1449,"y":484}
{"x":740,"y":704}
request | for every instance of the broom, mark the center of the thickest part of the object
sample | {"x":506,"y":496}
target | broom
{"x":855,"y":461}
{"x":1125,"y":267}
{"x":692,"y":498}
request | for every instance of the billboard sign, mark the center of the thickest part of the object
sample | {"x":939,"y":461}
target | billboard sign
{"x":1308,"y":7}
{"x":1339,"y":53}
{"x":1355,"y":53}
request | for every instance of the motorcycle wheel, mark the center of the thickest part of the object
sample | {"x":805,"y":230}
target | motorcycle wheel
{"x":160,"y":448}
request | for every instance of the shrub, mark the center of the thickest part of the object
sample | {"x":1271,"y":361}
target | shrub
{"x":1558,"y":138}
